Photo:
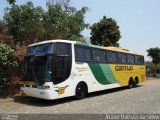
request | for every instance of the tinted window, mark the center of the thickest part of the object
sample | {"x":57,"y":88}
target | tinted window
{"x":98,"y":55}
{"x":130,"y":59}
{"x":41,"y":49}
{"x":122,"y":58}
{"x":139,"y":60}
{"x":87,"y":54}
{"x":79,"y":53}
{"x":62,"y":62}
{"x":142,"y":60}
{"x":63,"y":49}
{"x":82,"y":53}
{"x":111,"y":57}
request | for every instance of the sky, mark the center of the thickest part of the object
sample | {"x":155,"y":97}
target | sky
{"x":139,"y":20}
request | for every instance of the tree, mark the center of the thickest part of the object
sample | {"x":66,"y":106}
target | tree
{"x":30,"y":24}
{"x":154,"y":53}
{"x":11,"y":1}
{"x":1,"y":26}
{"x":105,"y":33}
{"x":65,"y":4}
{"x":4,"y":38}
{"x":7,"y":61}
{"x":64,"y":22}
{"x":24,"y":23}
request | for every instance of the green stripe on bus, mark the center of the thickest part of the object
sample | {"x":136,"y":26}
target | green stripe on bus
{"x":98,"y":74}
{"x":102,"y":73}
{"x":108,"y":73}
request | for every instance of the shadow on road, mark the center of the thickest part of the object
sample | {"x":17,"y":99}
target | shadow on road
{"x":109,"y":91}
{"x":43,"y":103}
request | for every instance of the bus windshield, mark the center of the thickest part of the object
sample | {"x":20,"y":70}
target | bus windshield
{"x":48,"y":63}
{"x":38,"y":68}
{"x":41,"y":49}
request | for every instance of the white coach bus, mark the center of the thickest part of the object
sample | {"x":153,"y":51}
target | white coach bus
{"x":61,"y":68}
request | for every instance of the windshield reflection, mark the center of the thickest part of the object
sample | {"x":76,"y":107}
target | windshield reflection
{"x":39,"y":69}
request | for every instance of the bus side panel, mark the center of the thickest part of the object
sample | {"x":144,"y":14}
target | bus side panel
{"x":96,"y":76}
{"x":123,"y":73}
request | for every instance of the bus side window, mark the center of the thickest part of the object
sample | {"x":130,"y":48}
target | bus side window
{"x":83,"y":54}
{"x":98,"y":55}
{"x":122,"y":58}
{"x":111,"y":57}
{"x":142,"y":60}
{"x":87,"y":54}
{"x":78,"y":53}
{"x":130,"y":59}
{"x":62,"y":62}
{"x":138,"y":59}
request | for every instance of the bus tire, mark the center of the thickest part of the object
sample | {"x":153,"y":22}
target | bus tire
{"x":81,"y":91}
{"x":136,"y":81}
{"x":131,"y":83}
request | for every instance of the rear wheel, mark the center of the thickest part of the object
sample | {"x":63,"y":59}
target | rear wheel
{"x":134,"y":84}
{"x":136,"y":81}
{"x":81,"y":91}
{"x":131,"y":83}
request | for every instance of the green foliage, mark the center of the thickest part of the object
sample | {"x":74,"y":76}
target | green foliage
{"x":24,"y":23}
{"x":11,"y":1}
{"x":105,"y":33}
{"x":30,"y":24}
{"x":1,"y":26}
{"x":7,"y":61}
{"x":64,"y":23}
{"x":154,"y":53}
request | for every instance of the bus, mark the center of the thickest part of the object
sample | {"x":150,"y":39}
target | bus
{"x":61,"y":68}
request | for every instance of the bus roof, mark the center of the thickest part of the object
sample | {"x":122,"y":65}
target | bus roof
{"x":50,"y":41}
{"x":112,"y":48}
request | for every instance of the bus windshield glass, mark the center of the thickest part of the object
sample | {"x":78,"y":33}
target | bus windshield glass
{"x":38,"y":68}
{"x":41,"y":49}
{"x":48,"y":63}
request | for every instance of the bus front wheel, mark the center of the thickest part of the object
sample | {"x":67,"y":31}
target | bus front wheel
{"x":81,"y":91}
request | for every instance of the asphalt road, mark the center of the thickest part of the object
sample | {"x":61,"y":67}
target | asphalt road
{"x":145,"y":99}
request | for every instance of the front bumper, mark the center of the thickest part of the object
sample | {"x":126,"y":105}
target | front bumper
{"x":40,"y":93}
